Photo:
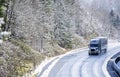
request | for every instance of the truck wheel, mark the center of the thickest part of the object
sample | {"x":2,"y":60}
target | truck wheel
{"x":105,"y":50}
{"x":89,"y":53}
{"x":98,"y":53}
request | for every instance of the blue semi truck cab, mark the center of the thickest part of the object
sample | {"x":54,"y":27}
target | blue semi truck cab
{"x":97,"y":45}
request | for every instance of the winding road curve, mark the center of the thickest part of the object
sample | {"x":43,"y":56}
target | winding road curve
{"x":80,"y":64}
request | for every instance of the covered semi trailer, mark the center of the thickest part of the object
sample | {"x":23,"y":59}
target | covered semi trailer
{"x":97,"y":45}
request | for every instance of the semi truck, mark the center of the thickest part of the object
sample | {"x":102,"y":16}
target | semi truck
{"x":98,"y":45}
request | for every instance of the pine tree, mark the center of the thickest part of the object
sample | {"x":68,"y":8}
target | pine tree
{"x":2,"y":3}
{"x":112,"y":13}
{"x":117,"y":21}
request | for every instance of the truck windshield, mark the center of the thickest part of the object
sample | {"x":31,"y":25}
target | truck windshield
{"x":93,"y":45}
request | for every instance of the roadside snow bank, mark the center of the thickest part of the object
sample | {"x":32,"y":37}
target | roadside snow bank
{"x":111,"y":44}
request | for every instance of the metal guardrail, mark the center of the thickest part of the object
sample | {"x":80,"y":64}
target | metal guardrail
{"x":115,"y":66}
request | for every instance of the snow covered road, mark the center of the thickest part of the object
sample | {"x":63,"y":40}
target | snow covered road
{"x":80,"y":64}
